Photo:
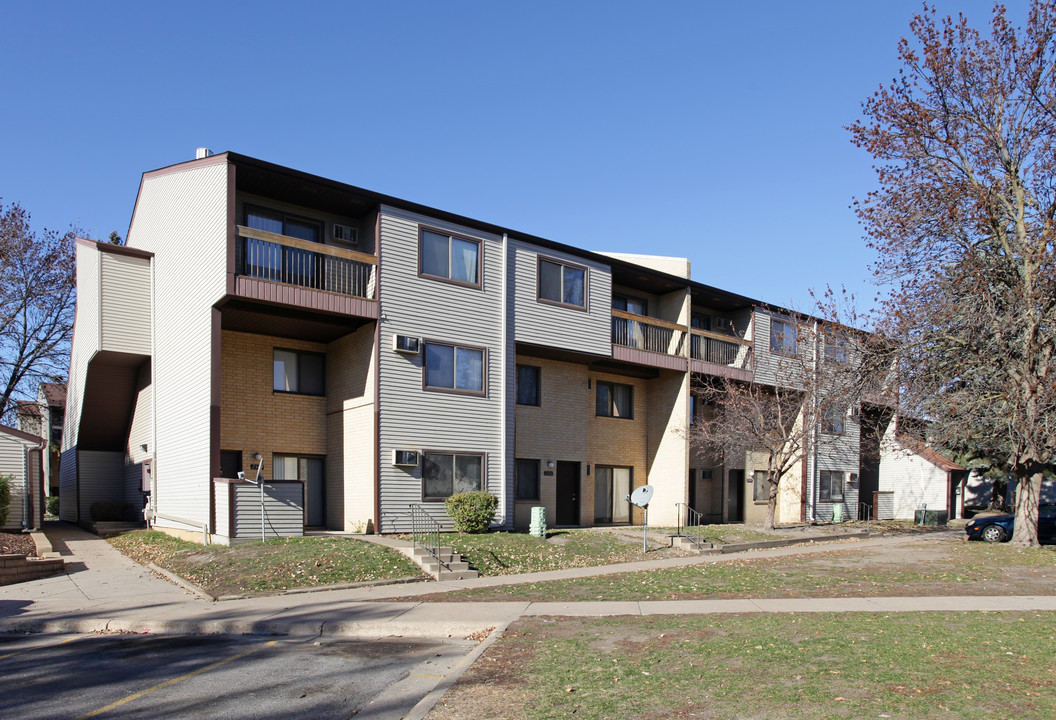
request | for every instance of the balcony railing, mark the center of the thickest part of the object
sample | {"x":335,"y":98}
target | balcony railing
{"x":646,"y":333}
{"x":292,"y":261}
{"x":720,"y":349}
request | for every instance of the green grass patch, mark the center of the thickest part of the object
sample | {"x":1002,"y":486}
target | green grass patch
{"x":504,"y":553}
{"x":953,"y":569}
{"x":279,"y":564}
{"x":824,"y":666}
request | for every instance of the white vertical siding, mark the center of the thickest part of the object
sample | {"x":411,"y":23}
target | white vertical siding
{"x":547,"y":325}
{"x":182,"y":218}
{"x":86,"y":341}
{"x":13,"y":463}
{"x":411,"y":417}
{"x":125,"y":303}
{"x":351,"y":451}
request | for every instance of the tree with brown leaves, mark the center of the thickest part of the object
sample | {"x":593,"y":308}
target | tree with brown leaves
{"x":36,"y":306}
{"x":964,"y":141}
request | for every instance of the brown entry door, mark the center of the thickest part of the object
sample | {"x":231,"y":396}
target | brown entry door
{"x":567,"y":493}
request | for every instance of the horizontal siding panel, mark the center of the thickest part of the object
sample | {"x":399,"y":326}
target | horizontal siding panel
{"x":13,"y":463}
{"x":414,"y":418}
{"x":283,"y":510}
{"x":547,"y":325}
{"x":125,"y":303}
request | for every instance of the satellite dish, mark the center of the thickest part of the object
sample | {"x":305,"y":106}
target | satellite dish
{"x":642,"y":496}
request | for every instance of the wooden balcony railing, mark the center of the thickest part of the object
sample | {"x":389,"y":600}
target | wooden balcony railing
{"x":292,"y":261}
{"x":720,"y":349}
{"x":646,"y":333}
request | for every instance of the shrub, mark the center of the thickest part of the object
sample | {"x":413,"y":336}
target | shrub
{"x":53,"y":505}
{"x":113,"y":512}
{"x":471,"y":511}
{"x":5,"y":497}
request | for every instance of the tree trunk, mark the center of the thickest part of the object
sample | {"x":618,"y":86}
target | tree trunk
{"x":771,"y":505}
{"x":1028,"y":494}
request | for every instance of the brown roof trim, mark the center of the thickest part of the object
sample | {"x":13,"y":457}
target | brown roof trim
{"x":926,"y":453}
{"x":35,"y":439}
{"x":109,"y":247}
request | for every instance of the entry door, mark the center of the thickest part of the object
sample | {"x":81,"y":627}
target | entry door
{"x":735,"y":496}
{"x":314,"y":493}
{"x":567,"y":493}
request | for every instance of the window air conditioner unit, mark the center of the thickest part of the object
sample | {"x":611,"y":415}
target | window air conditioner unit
{"x":405,"y":458}
{"x":345,"y":234}
{"x":406,"y":344}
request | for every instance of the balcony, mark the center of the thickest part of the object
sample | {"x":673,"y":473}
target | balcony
{"x":647,"y":340}
{"x":720,"y":354}
{"x":288,"y":260}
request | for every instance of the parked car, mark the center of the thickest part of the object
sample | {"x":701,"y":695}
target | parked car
{"x":998,"y":528}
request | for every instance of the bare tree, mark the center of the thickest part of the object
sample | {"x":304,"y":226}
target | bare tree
{"x":806,"y":389}
{"x":965,"y":153}
{"x":36,"y":306}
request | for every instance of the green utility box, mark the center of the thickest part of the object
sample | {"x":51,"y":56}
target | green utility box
{"x":930,"y":517}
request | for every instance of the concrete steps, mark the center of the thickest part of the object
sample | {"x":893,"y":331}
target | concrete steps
{"x":449,"y":566}
{"x":687,"y":544}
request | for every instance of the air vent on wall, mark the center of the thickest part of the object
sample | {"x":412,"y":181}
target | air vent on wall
{"x":407,"y":458}
{"x":405,"y":344}
{"x":344,"y":234}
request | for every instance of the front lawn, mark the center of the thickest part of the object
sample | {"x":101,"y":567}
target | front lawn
{"x":274,"y":565}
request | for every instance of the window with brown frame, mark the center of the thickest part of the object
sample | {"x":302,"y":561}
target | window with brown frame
{"x":562,"y":283}
{"x":449,"y":257}
{"x":447,"y":473}
{"x":454,"y":367}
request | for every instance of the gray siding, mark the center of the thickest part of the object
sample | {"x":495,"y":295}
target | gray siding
{"x":222,"y":496}
{"x":283,"y":510}
{"x":102,"y":479}
{"x":68,"y":485}
{"x":125,"y":303}
{"x":182,"y":218}
{"x":413,"y":418}
{"x":548,"y":325}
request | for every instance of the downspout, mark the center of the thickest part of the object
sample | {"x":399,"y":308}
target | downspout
{"x":815,"y":491}
{"x":507,"y":493}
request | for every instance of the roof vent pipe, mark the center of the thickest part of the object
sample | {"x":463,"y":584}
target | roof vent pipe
{"x":202,"y":153}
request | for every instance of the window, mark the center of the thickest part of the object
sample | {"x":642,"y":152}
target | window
{"x":832,"y":421}
{"x":630,"y":304}
{"x":308,"y":470}
{"x":700,"y":321}
{"x":447,"y":474}
{"x":451,"y":367}
{"x":611,"y":487}
{"x":836,"y":349}
{"x":782,"y":337}
{"x":280,"y":262}
{"x":527,"y":479}
{"x":614,"y":400}
{"x":299,"y":372}
{"x":761,"y":486}
{"x":562,"y":284}
{"x":280,"y":223}
{"x":449,"y":257}
{"x":830,"y":486}
{"x":527,"y":385}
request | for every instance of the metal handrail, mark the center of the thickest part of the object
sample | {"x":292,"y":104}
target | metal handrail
{"x":867,"y":514}
{"x":294,"y":265}
{"x":425,"y":533}
{"x":693,"y":519}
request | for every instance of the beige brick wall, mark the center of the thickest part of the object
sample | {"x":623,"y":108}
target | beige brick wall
{"x":617,"y":442}
{"x":255,"y":418}
{"x":556,"y":430}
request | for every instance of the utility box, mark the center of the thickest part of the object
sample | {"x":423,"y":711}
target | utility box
{"x":538,"y":526}
{"x":933,"y":518}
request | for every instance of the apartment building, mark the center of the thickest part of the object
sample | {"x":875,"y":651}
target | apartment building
{"x":358,"y":354}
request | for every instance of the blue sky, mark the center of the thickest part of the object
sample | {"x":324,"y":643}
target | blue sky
{"x":708,"y":130}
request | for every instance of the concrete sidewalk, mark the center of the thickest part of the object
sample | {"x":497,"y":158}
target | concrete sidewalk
{"x":103,"y":591}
